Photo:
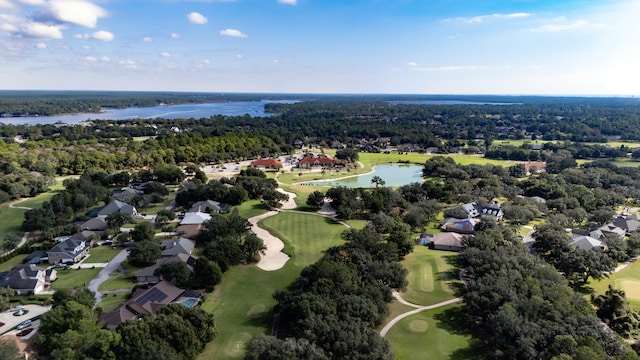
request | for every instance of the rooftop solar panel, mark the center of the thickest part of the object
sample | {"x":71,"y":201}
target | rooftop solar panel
{"x":153,"y":295}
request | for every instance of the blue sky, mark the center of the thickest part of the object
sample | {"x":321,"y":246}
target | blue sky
{"x":573,"y":47}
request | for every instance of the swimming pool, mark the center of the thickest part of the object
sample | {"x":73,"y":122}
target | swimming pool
{"x":190,"y":302}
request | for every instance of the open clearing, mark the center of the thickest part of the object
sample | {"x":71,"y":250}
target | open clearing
{"x":627,"y":279}
{"x":430,"y":276}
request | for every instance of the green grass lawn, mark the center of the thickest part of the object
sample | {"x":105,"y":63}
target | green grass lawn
{"x":102,"y":254}
{"x":433,"y":334}
{"x":627,"y":279}
{"x":308,"y":235}
{"x":251,"y":208}
{"x":122,"y":282}
{"x":431,"y":279}
{"x":73,"y":278}
{"x":11,"y":263}
{"x":110,"y":302}
{"x":242,"y":304}
{"x":10,"y":222}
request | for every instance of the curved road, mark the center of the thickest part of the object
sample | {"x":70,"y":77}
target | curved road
{"x":103,"y":275}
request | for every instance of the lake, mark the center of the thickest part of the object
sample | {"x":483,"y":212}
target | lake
{"x":392,"y":174}
{"x":183,"y":111}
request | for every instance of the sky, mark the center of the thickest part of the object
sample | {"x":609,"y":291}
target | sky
{"x":501,"y":47}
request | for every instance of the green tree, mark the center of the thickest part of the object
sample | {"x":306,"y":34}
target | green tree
{"x":176,"y":272}
{"x":377,"y":181}
{"x":252,"y":246}
{"x":9,"y":351}
{"x":613,"y":308}
{"x":142,"y":232}
{"x":315,"y":199}
{"x":144,"y":253}
{"x":206,"y":274}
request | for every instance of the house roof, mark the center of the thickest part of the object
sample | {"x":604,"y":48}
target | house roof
{"x":587,"y":242}
{"x":318,"y":160}
{"x":21,"y":277}
{"x":189,"y":260}
{"x":448,"y":239}
{"x":95,"y":224}
{"x":195,"y":218}
{"x":627,"y":224}
{"x":70,"y":247}
{"x":266,"y":163}
{"x":203,"y":206}
{"x":175,"y":247}
{"x":83,"y":235}
{"x":189,"y":231}
{"x":117,"y":206}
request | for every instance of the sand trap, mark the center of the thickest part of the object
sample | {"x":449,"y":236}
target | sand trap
{"x":273,"y":258}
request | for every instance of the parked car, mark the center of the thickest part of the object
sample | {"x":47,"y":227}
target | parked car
{"x":24,"y":324}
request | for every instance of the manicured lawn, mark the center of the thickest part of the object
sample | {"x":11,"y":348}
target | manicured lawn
{"x":627,"y":162}
{"x":431,"y":279}
{"x":308,"y":235}
{"x":36,"y":202}
{"x":242,"y":304}
{"x":11,"y":263}
{"x":10,"y":222}
{"x":118,"y":283}
{"x":357,"y":224}
{"x":111,"y":301}
{"x":73,"y":278}
{"x":627,"y":279}
{"x":102,"y":254}
{"x":251,"y":208}
{"x":433,"y":334}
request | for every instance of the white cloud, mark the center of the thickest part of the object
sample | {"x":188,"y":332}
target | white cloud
{"x":448,"y":68}
{"x":102,"y":35}
{"x":9,"y":28}
{"x":32,"y":2}
{"x":232,"y":33}
{"x":147,"y":39}
{"x":175,"y":36}
{"x":239,"y":56}
{"x":197,"y":18}
{"x":561,"y":27}
{"x":128,"y":64}
{"x":41,"y":31}
{"x":413,"y":64}
{"x":77,"y":12}
{"x":6,"y":4}
{"x":91,"y":59}
{"x":41,"y":46}
{"x":87,"y":47}
{"x":483,"y":18}
{"x":165,"y":54}
{"x":105,"y":59}
{"x":81,"y":36}
{"x":288,"y":2}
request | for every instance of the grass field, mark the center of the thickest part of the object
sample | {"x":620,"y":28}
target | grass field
{"x":111,"y":301}
{"x":14,"y":261}
{"x":10,"y":222}
{"x":118,"y":283}
{"x":627,"y":279}
{"x":242,"y":303}
{"x":73,"y":278}
{"x":102,"y":254}
{"x":251,"y":208}
{"x":431,"y":279}
{"x":433,"y":334}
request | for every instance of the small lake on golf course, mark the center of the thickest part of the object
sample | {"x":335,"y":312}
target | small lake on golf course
{"x":392,"y":174}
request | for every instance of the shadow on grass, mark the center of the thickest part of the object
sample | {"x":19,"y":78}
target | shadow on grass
{"x":455,"y":321}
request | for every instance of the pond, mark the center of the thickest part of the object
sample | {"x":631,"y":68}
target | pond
{"x":392,"y":174}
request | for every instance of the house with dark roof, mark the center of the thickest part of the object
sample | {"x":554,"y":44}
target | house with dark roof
{"x":36,"y":257}
{"x":127,"y":194}
{"x":85,"y":235}
{"x":209,"y":206}
{"x":68,"y":251}
{"x":466,"y":226}
{"x":95,"y":224}
{"x":117,"y":206}
{"x":175,"y":247}
{"x":448,"y":241}
{"x":587,"y":242}
{"x":148,"y":275}
{"x":26,"y":279}
{"x":310,"y":162}
{"x":144,"y":302}
{"x":266,"y":164}
{"x":628,"y":224}
{"x":189,"y":231}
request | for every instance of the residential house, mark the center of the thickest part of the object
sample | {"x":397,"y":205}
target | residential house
{"x":195,"y":218}
{"x":189,"y":231}
{"x":86,"y":235}
{"x":95,"y":224}
{"x":587,"y":242}
{"x":144,"y":302}
{"x":535,"y":167}
{"x":175,"y":247}
{"x":607,"y":229}
{"x":266,"y":164}
{"x":68,"y":251}
{"x":26,"y":279}
{"x":311,"y":162}
{"x":117,"y":206}
{"x":448,"y":241}
{"x":628,"y":224}
{"x":466,"y":226}
{"x":127,"y":195}
{"x":36,"y":257}
{"x":148,"y":275}
{"x":209,"y":206}
{"x":473,"y":210}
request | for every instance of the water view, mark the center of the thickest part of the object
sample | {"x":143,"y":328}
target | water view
{"x":392,"y":174}
{"x":184,"y":111}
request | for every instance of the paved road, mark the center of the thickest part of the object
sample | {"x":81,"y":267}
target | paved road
{"x":103,"y":275}
{"x":418,"y":309}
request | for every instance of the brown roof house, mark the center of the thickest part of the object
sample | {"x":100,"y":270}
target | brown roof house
{"x":144,"y":302}
{"x":309,"y":162}
{"x":266,"y":164}
{"x":449,"y":241}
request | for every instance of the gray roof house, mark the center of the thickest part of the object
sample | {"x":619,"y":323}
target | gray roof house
{"x":627,"y":224}
{"x":127,"y":194}
{"x":474,"y":210}
{"x":25,"y":279}
{"x":95,"y":224}
{"x":68,"y":251}
{"x":117,"y":206}
{"x":195,"y":218}
{"x":208,"y":206}
{"x":175,"y":247}
{"x":587,"y":242}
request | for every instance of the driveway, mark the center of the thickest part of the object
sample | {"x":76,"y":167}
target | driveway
{"x":103,"y":275}
{"x":10,"y":321}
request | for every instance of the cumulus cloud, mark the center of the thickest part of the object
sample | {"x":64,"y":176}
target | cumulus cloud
{"x":413,"y":64}
{"x":9,"y":28}
{"x":41,"y":46}
{"x":105,"y":59}
{"x":147,"y":39}
{"x":6,"y":4}
{"x":32,"y":2}
{"x":232,"y":33}
{"x":165,"y":54}
{"x":91,"y":59}
{"x":41,"y":31}
{"x":448,"y":68}
{"x":239,"y":56}
{"x":197,"y":18}
{"x":288,"y":2}
{"x":561,"y":27}
{"x":483,"y":18}
{"x":76,"y":12}
{"x":175,"y":36}
{"x":128,"y":64}
{"x":102,"y":35}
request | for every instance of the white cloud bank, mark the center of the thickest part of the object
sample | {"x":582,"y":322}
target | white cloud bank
{"x":288,"y":2}
{"x":483,"y":18}
{"x":76,"y":12}
{"x":561,"y":27}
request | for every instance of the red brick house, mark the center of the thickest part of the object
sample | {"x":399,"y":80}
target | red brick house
{"x":266,"y":164}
